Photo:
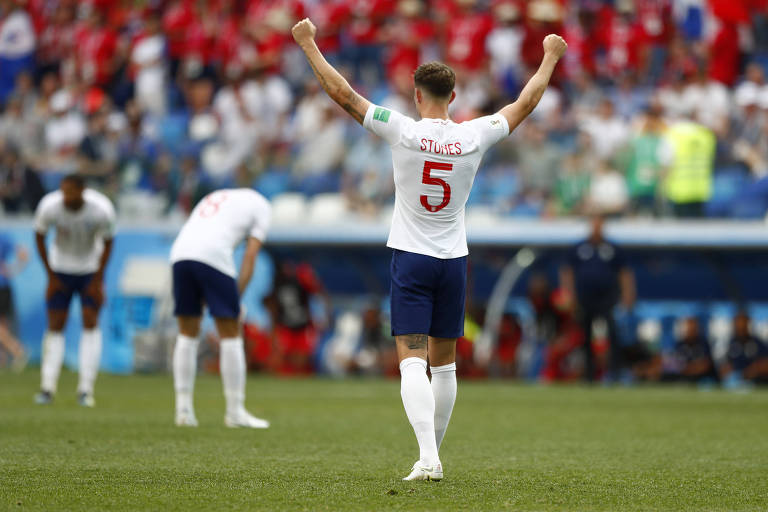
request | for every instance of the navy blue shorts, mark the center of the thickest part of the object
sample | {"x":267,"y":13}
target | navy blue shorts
{"x":195,"y":283}
{"x":72,"y":284}
{"x":428,"y":295}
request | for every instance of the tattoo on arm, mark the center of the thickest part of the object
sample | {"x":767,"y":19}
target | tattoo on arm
{"x":353,"y":106}
{"x":319,"y":75}
{"x":416,"y":341}
{"x":349,"y":100}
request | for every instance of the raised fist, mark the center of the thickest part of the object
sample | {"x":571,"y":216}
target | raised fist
{"x":304,"y":31}
{"x":555,"y":45}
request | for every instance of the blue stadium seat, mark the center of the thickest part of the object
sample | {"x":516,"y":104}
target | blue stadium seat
{"x":271,"y":183}
{"x":726,"y":186}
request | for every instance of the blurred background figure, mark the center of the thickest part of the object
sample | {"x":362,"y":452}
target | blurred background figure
{"x":691,"y":360}
{"x":598,"y":276}
{"x":747,"y":357}
{"x":688,"y":184}
{"x":13,"y":259}
{"x":294,"y":328}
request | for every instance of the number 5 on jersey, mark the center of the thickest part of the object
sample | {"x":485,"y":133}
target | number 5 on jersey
{"x":427,"y":179}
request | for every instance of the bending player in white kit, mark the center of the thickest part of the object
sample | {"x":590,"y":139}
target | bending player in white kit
{"x":204,"y":273}
{"x":84,"y":221}
{"x":435,"y":161}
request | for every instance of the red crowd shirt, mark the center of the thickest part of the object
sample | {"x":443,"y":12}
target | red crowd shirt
{"x":96,"y":47}
{"x":176,"y":21}
{"x":367,"y":19}
{"x":655,"y":19}
{"x":330,"y":17}
{"x":405,"y":50}
{"x":466,"y":36}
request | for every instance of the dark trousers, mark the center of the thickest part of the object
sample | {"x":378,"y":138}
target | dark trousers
{"x":588,"y":316}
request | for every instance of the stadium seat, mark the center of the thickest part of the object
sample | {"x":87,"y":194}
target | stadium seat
{"x":271,"y":183}
{"x":141,"y":205}
{"x":289,"y":208}
{"x":149,"y":277}
{"x":327,"y":209}
{"x":726,"y":186}
{"x":481,"y":215}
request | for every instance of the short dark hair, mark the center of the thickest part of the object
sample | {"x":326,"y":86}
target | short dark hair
{"x":436,"y":78}
{"x":76,"y":179}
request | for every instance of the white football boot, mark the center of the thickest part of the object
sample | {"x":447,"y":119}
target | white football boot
{"x":422,"y":472}
{"x":186,"y":418}
{"x":86,"y":399}
{"x":244,"y":419}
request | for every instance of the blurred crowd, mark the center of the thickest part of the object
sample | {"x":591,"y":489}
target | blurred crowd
{"x":659,"y":108}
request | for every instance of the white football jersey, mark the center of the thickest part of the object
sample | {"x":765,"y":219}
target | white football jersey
{"x":219,"y":222}
{"x":435,"y":162}
{"x":80,"y":235}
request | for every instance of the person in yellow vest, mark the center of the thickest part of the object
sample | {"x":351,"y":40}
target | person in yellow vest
{"x":688,"y":184}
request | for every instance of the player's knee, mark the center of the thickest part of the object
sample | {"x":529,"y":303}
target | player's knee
{"x":90,"y":318}
{"x":189,"y":326}
{"x":56,"y":320}
{"x":228,"y":327}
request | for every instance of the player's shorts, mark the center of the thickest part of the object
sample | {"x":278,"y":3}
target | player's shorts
{"x":72,"y":284}
{"x":6,"y":303}
{"x":195,"y":283}
{"x":428,"y":295}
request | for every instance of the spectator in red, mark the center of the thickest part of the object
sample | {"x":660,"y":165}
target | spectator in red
{"x":294,"y":332}
{"x":724,"y":43}
{"x":330,"y":17}
{"x":583,"y":43}
{"x":543,"y":17}
{"x":624,"y":41}
{"x":466,"y":35}
{"x":406,"y":36}
{"x":363,"y":49}
{"x":177,"y":18}
{"x":97,"y":51}
{"x":657,"y":28}
{"x":57,"y":39}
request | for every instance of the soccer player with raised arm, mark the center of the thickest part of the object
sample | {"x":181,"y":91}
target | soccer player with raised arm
{"x":435,"y":161}
{"x":84,"y":221}
{"x":204,"y":273}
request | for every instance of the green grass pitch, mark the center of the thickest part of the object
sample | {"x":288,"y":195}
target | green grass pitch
{"x":345,"y":445}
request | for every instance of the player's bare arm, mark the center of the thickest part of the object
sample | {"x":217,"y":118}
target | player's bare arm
{"x":53,"y":281}
{"x":96,"y":287}
{"x":515,"y":113}
{"x":335,"y":85}
{"x":252,"y":248}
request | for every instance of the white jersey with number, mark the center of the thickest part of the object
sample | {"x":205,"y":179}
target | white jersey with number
{"x":218,"y":224}
{"x":80,"y":235}
{"x":435,"y":162}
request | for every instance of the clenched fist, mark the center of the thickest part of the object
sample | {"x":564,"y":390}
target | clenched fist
{"x":304,"y":31}
{"x":555,"y":45}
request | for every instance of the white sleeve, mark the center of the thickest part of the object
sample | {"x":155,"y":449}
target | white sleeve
{"x":262,"y":217}
{"x":110,"y":220}
{"x":387,"y":124}
{"x":491,"y":129}
{"x":42,"y":216}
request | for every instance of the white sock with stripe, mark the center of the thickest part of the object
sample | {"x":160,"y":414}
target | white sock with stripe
{"x":89,"y":359}
{"x":232,"y":367}
{"x":419,"y":404}
{"x":444,"y":391}
{"x":184,"y":370}
{"x":51,"y":360}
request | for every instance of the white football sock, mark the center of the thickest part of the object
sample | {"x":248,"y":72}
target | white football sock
{"x":89,"y":358}
{"x":232,"y":367}
{"x":444,"y":391}
{"x":184,"y":369}
{"x":52,"y":358}
{"x":419,"y":406}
